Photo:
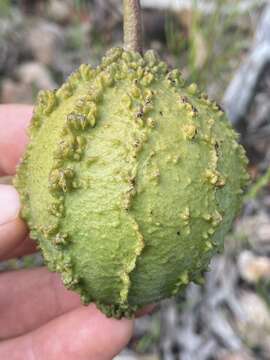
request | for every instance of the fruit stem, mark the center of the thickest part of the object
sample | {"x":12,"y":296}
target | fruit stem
{"x":132,"y":25}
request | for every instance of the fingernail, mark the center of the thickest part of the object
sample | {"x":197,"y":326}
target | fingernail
{"x":9,"y":204}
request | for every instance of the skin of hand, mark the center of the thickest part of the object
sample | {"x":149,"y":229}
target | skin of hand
{"x":39,"y":318}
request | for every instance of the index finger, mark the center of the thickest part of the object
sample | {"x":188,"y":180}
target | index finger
{"x":14,"y":120}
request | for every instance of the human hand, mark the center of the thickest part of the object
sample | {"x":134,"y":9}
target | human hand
{"x":39,"y":318}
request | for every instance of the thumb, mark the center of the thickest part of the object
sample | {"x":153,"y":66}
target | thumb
{"x":12,"y":229}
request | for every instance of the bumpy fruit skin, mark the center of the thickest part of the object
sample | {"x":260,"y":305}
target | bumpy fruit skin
{"x":130,"y":181}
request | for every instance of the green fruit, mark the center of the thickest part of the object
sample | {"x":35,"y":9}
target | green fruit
{"x":130,"y":181}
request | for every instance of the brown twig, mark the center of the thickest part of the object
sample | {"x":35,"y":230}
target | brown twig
{"x":132,"y":25}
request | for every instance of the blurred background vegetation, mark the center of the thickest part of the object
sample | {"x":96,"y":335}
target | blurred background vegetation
{"x":206,"y":39}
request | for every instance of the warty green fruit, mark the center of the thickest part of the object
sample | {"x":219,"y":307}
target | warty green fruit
{"x":130,"y":181}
